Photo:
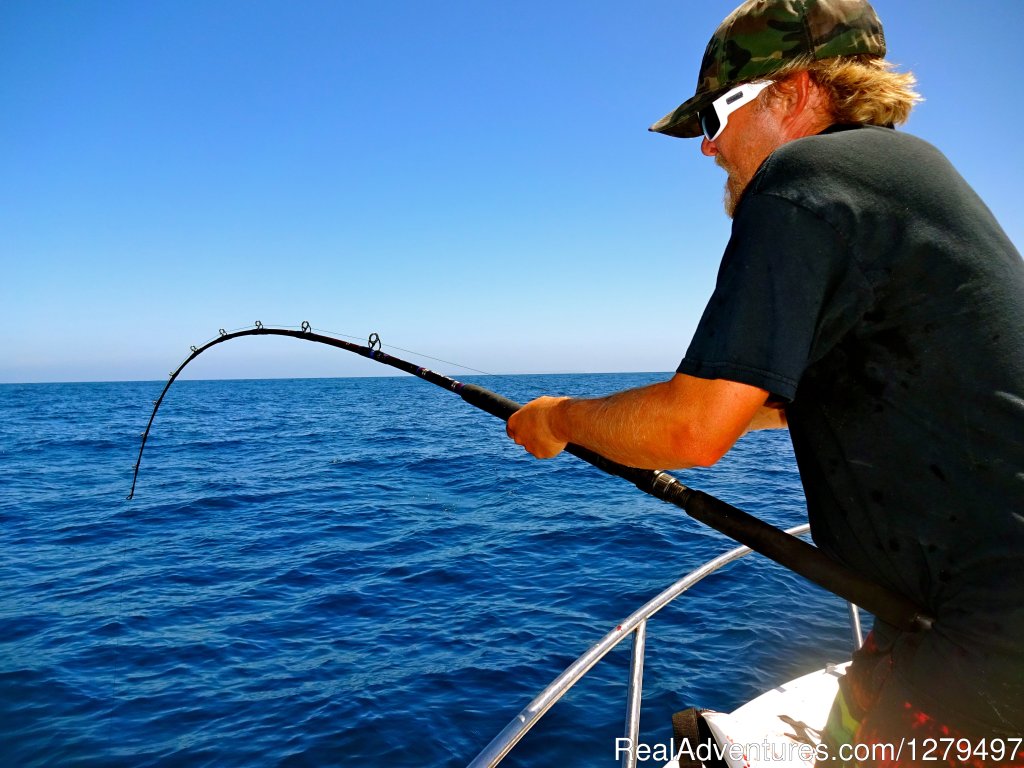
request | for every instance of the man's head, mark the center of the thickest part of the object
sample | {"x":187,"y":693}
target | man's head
{"x":763,"y":36}
{"x":778,"y":70}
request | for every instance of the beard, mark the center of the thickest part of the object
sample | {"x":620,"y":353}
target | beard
{"x":734,"y":187}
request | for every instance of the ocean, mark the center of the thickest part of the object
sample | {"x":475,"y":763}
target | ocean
{"x":364,"y":571}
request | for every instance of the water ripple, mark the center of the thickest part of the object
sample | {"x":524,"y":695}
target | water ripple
{"x":307,"y":577}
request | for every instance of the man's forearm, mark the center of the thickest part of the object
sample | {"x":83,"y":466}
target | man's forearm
{"x":678,"y":423}
{"x":636,"y":427}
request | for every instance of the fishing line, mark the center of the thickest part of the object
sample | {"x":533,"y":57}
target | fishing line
{"x":793,"y":553}
{"x":408,"y":351}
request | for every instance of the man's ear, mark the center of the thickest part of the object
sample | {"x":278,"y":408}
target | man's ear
{"x":797,"y":101}
{"x":791,"y":93}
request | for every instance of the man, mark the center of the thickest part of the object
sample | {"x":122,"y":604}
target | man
{"x":869,"y":301}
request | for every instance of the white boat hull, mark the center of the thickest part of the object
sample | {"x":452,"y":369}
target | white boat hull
{"x":781,"y":727}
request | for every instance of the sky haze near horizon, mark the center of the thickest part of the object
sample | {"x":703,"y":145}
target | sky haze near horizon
{"x":471,"y":181}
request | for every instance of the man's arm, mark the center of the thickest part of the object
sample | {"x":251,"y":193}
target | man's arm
{"x":683,"y":422}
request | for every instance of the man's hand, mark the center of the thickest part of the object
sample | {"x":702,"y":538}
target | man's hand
{"x":535,"y":427}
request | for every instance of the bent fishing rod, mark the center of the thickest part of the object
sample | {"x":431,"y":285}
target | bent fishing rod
{"x":792,"y":553}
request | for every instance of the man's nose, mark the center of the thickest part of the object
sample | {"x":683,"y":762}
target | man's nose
{"x":708,"y":147}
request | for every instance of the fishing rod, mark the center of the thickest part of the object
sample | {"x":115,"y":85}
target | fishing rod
{"x":793,"y":553}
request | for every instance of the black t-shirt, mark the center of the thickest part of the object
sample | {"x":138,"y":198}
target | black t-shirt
{"x":867,"y":287}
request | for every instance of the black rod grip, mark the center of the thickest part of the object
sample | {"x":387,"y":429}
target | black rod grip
{"x":485,"y":400}
{"x":806,"y":560}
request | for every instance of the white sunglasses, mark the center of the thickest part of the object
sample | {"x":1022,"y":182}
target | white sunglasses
{"x":714,"y":119}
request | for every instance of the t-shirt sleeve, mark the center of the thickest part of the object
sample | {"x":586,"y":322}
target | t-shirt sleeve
{"x":788,"y":289}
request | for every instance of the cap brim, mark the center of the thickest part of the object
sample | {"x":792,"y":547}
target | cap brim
{"x":682,"y":122}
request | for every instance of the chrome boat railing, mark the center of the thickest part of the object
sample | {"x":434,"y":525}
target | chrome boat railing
{"x":636,"y":626}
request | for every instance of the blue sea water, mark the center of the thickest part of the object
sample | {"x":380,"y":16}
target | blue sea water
{"x":322,"y":572}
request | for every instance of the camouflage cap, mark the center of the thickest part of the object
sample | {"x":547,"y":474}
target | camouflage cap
{"x":761,"y":36}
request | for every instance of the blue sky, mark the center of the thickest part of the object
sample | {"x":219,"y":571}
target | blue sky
{"x":470,"y":180}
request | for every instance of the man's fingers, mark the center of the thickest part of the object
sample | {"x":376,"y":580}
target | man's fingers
{"x":529,"y":427}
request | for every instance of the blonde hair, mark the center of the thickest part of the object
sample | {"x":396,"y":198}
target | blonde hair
{"x":861,"y":89}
